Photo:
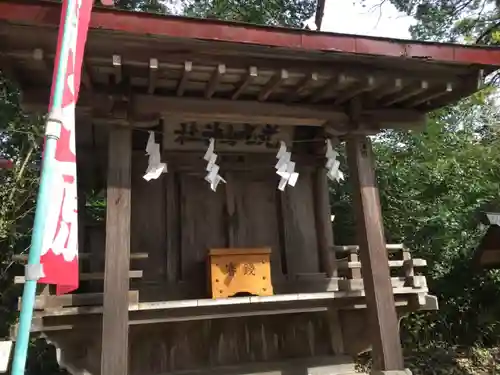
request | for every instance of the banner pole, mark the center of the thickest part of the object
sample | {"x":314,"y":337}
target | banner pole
{"x":33,"y":268}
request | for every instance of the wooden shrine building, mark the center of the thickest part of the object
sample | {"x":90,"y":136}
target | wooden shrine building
{"x":487,"y":253}
{"x":156,"y":264}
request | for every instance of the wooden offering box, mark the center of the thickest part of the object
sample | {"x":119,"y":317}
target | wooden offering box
{"x":240,"y":271}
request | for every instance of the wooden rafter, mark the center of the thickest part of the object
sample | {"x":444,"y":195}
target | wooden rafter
{"x":188,"y":67}
{"x":334,"y":83}
{"x":153,"y":73}
{"x":311,"y":83}
{"x":303,"y":85}
{"x":117,"y":68}
{"x":249,"y":78}
{"x":430,"y":95}
{"x":405,"y":94}
{"x":367,"y":84}
{"x":40,"y":59}
{"x":214,"y":80}
{"x":390,"y":88}
{"x":273,"y":84}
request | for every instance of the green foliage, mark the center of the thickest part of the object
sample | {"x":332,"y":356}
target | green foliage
{"x":275,"y":12}
{"x":152,"y":6}
{"x":20,"y":141}
{"x":262,"y":12}
{"x":473,"y":21}
{"x":450,"y":360}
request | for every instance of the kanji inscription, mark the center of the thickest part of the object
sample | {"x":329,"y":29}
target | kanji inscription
{"x":191,"y":135}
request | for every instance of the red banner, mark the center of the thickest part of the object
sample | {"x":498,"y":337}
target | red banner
{"x":60,"y":243}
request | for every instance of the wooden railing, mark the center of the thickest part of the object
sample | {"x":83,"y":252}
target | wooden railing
{"x":406,"y":281}
{"x":46,"y":300}
{"x":404,"y":270}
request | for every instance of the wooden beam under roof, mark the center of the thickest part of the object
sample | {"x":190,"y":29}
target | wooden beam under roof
{"x":149,"y":108}
{"x":261,"y":112}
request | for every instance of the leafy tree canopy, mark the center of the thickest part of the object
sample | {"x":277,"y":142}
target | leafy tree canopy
{"x":263,"y":12}
{"x":470,"y":21}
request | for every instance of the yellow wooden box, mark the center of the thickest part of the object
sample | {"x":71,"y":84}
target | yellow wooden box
{"x":240,"y":271}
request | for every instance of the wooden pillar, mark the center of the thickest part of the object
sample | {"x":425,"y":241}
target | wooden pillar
{"x":114,"y":356}
{"x":387,"y":352}
{"x":230,"y":209}
{"x":324,"y":229}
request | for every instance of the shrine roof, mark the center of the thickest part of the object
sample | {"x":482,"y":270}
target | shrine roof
{"x":175,"y":60}
{"x":47,"y":13}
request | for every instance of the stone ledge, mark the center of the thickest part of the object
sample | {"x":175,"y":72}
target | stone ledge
{"x":391,"y":372}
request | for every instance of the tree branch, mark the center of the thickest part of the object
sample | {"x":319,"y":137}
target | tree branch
{"x":320,"y":10}
{"x":488,"y":31}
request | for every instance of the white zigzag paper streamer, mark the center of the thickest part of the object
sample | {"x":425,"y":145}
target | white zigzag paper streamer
{"x":213,"y":176}
{"x":285,"y":168}
{"x":332,"y":164}
{"x":155,"y":166}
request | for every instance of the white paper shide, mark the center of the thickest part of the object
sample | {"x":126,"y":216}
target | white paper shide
{"x":285,"y":168}
{"x":213,"y":177}
{"x":332,"y":164}
{"x":155,"y":166}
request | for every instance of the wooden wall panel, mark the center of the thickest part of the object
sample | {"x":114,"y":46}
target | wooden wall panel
{"x":220,"y":342}
{"x":96,"y":238}
{"x":299,"y":226}
{"x":177,"y":218}
{"x":148,"y":221}
{"x":202,"y":226}
{"x":255,"y":218}
{"x":172,"y":226}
